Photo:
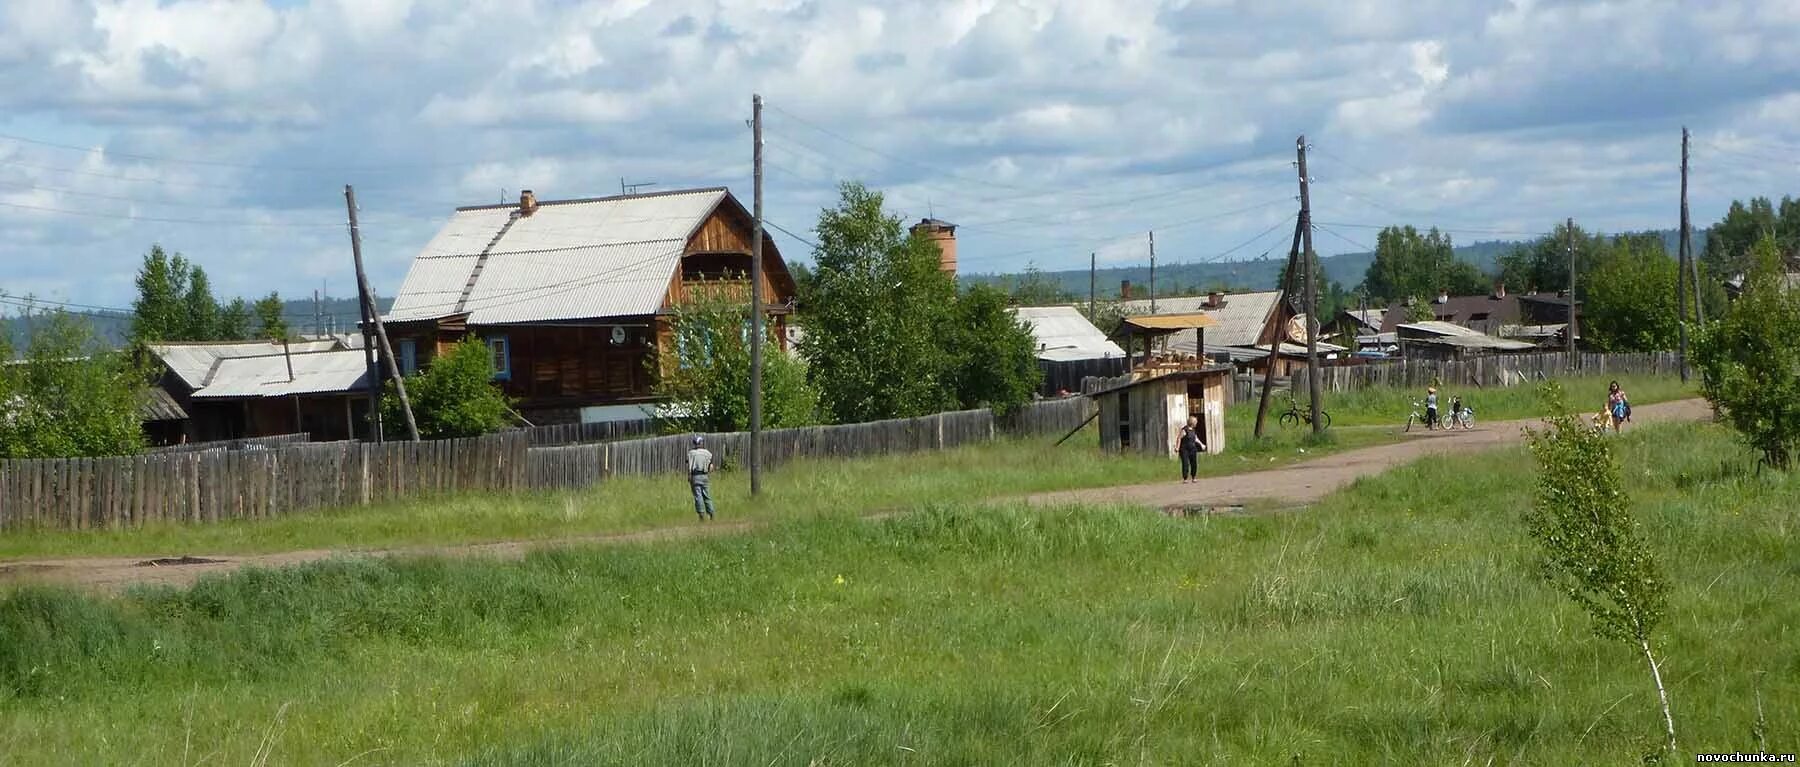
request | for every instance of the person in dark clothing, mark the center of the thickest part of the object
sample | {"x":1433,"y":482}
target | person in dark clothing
{"x":1190,"y":448}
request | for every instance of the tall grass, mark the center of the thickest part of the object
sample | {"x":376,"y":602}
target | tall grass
{"x":1389,"y":406}
{"x":1397,"y":622}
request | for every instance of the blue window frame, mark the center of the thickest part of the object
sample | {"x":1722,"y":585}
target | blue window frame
{"x":409,"y":356}
{"x":502,"y":351}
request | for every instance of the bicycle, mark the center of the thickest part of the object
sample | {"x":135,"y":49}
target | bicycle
{"x":1296,"y":416}
{"x":1464,"y":418}
{"x":1416,"y":416}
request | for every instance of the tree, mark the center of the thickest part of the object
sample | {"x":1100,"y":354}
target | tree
{"x":69,"y":397}
{"x":1409,"y":263}
{"x":234,"y":321}
{"x":1543,"y":264}
{"x":1749,"y":360}
{"x":1033,"y":288}
{"x":872,"y":346}
{"x":995,"y":354}
{"x":709,"y":378}
{"x":159,"y":312}
{"x":1729,"y":243}
{"x":455,"y":396}
{"x":1630,"y":306}
{"x":270,"y":322}
{"x":200,"y":309}
{"x":1593,"y":551}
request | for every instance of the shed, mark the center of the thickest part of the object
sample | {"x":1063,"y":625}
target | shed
{"x":1145,"y":413}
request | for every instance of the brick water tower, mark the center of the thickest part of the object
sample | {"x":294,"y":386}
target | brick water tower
{"x":942,"y":234}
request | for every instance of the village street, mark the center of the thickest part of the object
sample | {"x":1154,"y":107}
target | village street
{"x":1288,"y":486}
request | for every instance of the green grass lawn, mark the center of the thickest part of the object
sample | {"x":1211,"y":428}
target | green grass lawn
{"x":1385,"y":406}
{"x":1399,"y":622}
{"x":798,"y":490}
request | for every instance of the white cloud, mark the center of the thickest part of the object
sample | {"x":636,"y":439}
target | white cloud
{"x":1054,"y":127}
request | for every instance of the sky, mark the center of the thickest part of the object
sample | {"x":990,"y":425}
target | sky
{"x":1048,"y":130}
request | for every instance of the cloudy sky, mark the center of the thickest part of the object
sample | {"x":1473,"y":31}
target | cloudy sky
{"x":1048,"y":129}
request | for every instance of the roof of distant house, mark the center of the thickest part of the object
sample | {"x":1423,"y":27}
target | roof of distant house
{"x":192,"y":362}
{"x":1062,"y":334}
{"x":565,"y":260}
{"x":155,"y":404}
{"x":1486,"y":313}
{"x":1241,"y":320}
{"x":324,"y":372}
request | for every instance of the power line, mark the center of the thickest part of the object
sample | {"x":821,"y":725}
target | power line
{"x":163,"y":159}
{"x":1136,"y":232}
{"x":797,"y":238}
{"x":155,"y":219}
{"x":1361,"y":247}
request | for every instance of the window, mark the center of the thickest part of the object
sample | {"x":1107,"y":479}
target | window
{"x":409,"y":356}
{"x":502,"y":357}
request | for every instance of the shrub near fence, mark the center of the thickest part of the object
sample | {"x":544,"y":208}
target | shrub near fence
{"x":217,"y":485}
{"x":1497,"y":370}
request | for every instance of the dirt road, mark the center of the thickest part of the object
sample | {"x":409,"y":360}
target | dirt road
{"x":1292,"y":484}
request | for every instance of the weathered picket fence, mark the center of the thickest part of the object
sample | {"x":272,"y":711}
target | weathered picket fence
{"x":216,"y":485}
{"x":249,"y":443}
{"x":1496,"y":370}
{"x":577,"y":433}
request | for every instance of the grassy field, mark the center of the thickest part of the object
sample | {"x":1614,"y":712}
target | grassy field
{"x":1385,"y":406}
{"x":1398,"y":622}
{"x":799,"y":490}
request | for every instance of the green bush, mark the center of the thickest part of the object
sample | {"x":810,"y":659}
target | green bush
{"x":709,"y":380}
{"x":69,"y":397}
{"x":1749,"y":360}
{"x":455,"y":396}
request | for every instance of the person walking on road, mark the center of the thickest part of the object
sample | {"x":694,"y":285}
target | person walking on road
{"x":1618,"y":406}
{"x":1190,"y":448}
{"x":700,"y":463}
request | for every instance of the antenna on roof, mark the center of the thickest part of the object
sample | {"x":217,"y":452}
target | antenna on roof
{"x":628,"y":190}
{"x":503,"y":194}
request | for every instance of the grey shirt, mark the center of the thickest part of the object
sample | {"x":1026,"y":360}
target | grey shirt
{"x":699,"y":463}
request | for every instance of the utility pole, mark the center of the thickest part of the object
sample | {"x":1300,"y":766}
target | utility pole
{"x":1569,"y":244}
{"x":756,"y":307}
{"x":373,"y":314}
{"x":1277,"y":319}
{"x":1153,"y":272}
{"x":1312,"y":293}
{"x":1093,"y":287}
{"x":1681,"y":268}
{"x":318,"y":316}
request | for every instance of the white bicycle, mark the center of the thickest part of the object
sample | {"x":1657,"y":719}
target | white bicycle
{"x":1464,"y":418}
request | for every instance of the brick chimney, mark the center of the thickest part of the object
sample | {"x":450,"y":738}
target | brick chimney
{"x":1215,"y":300}
{"x":942,"y":234}
{"x":1125,"y":290}
{"x":528,"y":203}
{"x":1499,"y":290}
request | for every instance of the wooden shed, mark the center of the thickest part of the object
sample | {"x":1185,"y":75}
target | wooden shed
{"x":1145,"y":414}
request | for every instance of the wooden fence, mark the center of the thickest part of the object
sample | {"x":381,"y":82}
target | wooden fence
{"x":209,"y":486}
{"x":249,"y":443}
{"x":1497,"y":370}
{"x":215,"y":485}
{"x":576,"y":433}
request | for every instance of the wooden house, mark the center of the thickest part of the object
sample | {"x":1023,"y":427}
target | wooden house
{"x":574,"y":297}
{"x":1144,"y":413}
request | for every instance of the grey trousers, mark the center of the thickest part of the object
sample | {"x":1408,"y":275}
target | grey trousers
{"x":703,"y":502}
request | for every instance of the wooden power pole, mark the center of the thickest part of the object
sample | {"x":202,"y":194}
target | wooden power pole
{"x":1681,"y":268}
{"x":756,"y":304}
{"x":1152,"y":273}
{"x":1569,"y":244}
{"x":1277,"y":320}
{"x":373,"y":313}
{"x":1312,"y":294}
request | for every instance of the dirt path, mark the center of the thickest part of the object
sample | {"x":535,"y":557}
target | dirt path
{"x":1295,"y":484}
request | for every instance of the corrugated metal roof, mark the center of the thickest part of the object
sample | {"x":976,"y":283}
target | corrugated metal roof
{"x":1241,"y":321}
{"x":1477,"y":341}
{"x":158,"y":405}
{"x":576,"y":259}
{"x":1172,"y":322}
{"x":191,"y":362}
{"x":1435,"y":327}
{"x":329,"y":372}
{"x":1063,"y":334}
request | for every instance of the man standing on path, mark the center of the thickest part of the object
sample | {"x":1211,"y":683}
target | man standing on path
{"x":700,"y":462}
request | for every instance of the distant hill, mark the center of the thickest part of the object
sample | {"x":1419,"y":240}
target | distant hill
{"x":334,"y":314}
{"x":1257,"y":274}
